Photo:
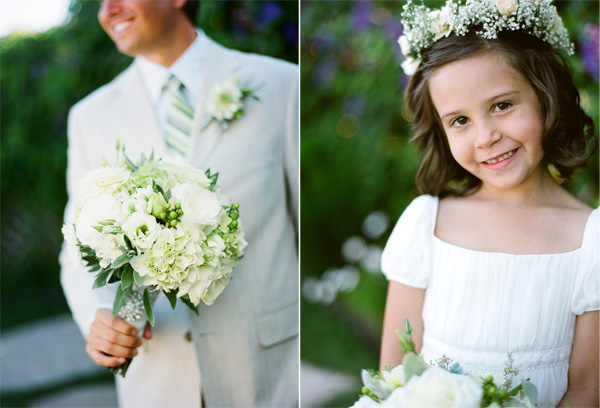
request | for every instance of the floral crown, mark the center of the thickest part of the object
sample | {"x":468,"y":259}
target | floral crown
{"x":423,"y":26}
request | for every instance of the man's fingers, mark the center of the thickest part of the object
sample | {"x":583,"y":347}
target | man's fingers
{"x":106,"y":317}
{"x":103,"y":359}
{"x":111,"y":349}
{"x":99,"y":330}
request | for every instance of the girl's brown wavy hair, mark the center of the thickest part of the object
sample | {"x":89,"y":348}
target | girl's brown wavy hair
{"x":568,"y":140}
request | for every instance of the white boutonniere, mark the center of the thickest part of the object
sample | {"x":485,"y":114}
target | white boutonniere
{"x":225,"y":102}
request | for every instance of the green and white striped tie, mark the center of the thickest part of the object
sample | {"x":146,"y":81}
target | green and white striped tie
{"x":179,"y":118}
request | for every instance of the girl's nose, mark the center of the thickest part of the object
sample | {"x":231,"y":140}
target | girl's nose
{"x":487,"y":135}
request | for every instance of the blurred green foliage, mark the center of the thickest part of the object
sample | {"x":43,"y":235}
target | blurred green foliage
{"x":41,"y":77}
{"x":356,"y":158}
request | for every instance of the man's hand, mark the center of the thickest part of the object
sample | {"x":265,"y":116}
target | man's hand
{"x":112,"y":340}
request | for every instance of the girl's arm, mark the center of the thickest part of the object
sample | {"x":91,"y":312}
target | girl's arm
{"x":402,"y":301}
{"x":583,"y":367}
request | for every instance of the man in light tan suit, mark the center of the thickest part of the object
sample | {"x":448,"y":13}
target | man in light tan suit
{"x":242,"y":350}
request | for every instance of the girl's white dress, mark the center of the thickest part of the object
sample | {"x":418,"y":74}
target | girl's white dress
{"x":480,"y":306}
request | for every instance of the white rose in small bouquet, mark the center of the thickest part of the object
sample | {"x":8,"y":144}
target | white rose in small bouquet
{"x":418,"y":384}
{"x":155,"y":225}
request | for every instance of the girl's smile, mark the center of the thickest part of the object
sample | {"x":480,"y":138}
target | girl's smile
{"x":492,"y":120}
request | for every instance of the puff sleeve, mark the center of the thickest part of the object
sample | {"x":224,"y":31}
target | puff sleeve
{"x":586,"y":288}
{"x":408,"y":255}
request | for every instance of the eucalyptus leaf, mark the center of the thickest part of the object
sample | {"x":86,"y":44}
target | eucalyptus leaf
{"x":94,"y":268}
{"x":128,"y":242}
{"x":131,"y":165}
{"x":148,"y":307}
{"x":101,"y":278}
{"x":120,"y":299}
{"x":172,"y":296}
{"x":121,"y":260}
{"x":127,"y":277}
{"x":414,"y":365}
{"x":139,"y":280}
{"x":529,"y":389}
{"x":186,"y":301}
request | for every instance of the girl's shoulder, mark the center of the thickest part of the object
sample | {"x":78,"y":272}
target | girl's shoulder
{"x":406,"y":257}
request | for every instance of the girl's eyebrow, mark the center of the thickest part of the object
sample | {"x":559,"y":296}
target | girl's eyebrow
{"x":493,"y":98}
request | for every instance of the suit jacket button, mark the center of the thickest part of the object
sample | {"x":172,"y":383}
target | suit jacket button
{"x":188,"y":336}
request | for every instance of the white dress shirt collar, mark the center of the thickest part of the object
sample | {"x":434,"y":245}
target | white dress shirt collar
{"x":186,"y":68}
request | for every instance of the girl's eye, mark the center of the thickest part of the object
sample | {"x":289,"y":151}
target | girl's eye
{"x":459,"y":121}
{"x":502,"y":106}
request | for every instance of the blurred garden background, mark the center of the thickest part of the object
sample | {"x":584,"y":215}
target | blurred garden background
{"x":41,"y":76}
{"x":358,"y":168}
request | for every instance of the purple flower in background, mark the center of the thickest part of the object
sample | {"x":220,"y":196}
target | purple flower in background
{"x":268,"y":13}
{"x":324,"y":73}
{"x":290,"y":33}
{"x":393,"y":28}
{"x":355,"y":104}
{"x":361,"y":18}
{"x":589,"y":50}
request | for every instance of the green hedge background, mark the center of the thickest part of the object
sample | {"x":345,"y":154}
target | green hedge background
{"x":41,"y":77}
{"x":358,"y":168}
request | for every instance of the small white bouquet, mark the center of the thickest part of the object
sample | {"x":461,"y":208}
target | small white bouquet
{"x":155,"y":225}
{"x":418,"y":384}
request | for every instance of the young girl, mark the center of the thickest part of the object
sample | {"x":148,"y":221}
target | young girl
{"x":496,"y":264}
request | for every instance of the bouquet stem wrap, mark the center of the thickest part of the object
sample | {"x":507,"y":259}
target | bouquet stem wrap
{"x":134,"y":313}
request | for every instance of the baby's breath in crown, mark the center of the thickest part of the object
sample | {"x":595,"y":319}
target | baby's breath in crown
{"x":423,"y":26}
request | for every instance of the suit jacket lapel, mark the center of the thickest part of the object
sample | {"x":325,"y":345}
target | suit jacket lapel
{"x":221,"y":63}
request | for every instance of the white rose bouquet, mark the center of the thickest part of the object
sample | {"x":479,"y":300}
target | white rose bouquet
{"x":418,"y":384}
{"x":155,"y":226}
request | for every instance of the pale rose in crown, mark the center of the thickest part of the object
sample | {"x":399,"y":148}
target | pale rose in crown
{"x":404,"y":43}
{"x":440,"y":22}
{"x":409,"y":66}
{"x":142,"y":229}
{"x":225,"y":99}
{"x":105,"y":180}
{"x":201,"y":207}
{"x":439,"y":388}
{"x":506,"y":7}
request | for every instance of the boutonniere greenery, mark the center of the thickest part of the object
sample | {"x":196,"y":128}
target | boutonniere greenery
{"x":226,"y":102}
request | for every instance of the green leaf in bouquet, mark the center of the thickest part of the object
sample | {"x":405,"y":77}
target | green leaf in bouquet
{"x":157,"y":188}
{"x":148,"y":307}
{"x":131,"y":165}
{"x":95,"y":268}
{"x":172,"y":296}
{"x":128,"y":242}
{"x":98,"y":228}
{"x":127,"y":277}
{"x":121,"y":260}
{"x":138,"y":279}
{"x":186,"y":301}
{"x":213,"y":179}
{"x":120,"y":298}
{"x":529,"y":389}
{"x":414,"y":365}
{"x":152,"y":155}
{"x":167,"y":195}
{"x":102,"y":278}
